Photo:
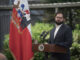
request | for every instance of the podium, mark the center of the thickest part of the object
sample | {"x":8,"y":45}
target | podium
{"x":48,"y":48}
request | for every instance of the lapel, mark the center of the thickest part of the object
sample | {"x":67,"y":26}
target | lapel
{"x":59,"y":31}
{"x":52,"y":33}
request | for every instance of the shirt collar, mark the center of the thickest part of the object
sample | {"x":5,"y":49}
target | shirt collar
{"x":58,"y":25}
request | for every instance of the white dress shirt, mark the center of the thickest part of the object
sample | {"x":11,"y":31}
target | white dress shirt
{"x":57,"y":29}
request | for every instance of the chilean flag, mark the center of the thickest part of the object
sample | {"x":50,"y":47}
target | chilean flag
{"x":20,"y":42}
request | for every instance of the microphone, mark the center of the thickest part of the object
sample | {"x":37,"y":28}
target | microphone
{"x":43,"y":35}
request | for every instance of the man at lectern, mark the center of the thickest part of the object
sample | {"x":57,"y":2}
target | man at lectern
{"x":61,"y":35}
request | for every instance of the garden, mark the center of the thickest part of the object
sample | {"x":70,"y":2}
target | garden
{"x":37,"y":29}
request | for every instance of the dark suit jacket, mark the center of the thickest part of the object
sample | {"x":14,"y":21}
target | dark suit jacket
{"x":63,"y":38}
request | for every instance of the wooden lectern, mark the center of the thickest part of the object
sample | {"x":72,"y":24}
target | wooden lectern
{"x":48,"y":48}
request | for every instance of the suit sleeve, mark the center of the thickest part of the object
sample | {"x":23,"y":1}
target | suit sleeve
{"x":68,"y":39}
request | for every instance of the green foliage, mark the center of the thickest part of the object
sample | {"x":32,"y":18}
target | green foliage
{"x":37,"y":29}
{"x":39,"y":56}
{"x":6,"y":48}
{"x":75,"y":49}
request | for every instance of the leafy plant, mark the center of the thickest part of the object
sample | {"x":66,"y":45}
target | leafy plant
{"x":6,"y":48}
{"x":37,"y":29}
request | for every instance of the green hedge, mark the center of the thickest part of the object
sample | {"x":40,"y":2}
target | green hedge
{"x":37,"y":29}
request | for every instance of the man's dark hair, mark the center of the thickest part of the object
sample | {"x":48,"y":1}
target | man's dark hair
{"x":60,"y":13}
